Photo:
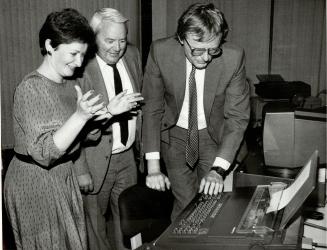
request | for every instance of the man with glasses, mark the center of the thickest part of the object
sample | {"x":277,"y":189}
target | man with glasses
{"x":196,"y":106}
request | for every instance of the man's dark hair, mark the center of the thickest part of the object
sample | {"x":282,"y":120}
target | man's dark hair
{"x":200,"y":20}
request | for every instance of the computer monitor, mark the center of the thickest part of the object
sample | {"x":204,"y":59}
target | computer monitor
{"x":289,"y":138}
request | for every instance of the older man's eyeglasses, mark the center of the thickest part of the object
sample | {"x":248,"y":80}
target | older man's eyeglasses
{"x":200,"y":51}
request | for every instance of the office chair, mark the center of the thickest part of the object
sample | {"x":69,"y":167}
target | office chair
{"x":143,"y":211}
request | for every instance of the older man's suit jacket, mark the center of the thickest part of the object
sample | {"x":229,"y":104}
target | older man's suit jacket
{"x":98,"y":146}
{"x":226,"y":96}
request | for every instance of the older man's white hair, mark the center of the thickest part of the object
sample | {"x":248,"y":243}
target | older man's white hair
{"x":106,"y":14}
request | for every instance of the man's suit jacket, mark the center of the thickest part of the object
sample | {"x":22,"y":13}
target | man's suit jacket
{"x":226,"y":96}
{"x":98,"y":146}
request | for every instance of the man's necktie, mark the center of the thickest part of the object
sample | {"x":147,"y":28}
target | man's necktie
{"x":192,"y":144}
{"x":123,"y":123}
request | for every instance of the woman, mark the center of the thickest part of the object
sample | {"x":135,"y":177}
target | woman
{"x":41,"y":192}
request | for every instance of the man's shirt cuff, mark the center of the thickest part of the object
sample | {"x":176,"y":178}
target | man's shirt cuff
{"x":220,"y":162}
{"x":152,"y":156}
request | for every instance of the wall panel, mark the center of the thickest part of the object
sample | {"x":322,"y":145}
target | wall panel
{"x":298,"y":50}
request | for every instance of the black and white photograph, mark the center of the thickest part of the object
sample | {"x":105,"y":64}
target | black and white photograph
{"x":163,"y":124}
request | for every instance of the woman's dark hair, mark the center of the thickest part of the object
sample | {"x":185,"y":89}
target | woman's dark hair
{"x":65,"y":26}
{"x":201,"y":19}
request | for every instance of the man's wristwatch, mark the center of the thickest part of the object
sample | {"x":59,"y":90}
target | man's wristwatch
{"x":219,"y":170}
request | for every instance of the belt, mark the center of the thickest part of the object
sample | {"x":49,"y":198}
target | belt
{"x":29,"y":159}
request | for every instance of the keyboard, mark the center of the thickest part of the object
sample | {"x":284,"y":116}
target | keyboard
{"x":200,"y":215}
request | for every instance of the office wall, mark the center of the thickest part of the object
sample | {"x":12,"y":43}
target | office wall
{"x":298,"y":37}
{"x":20,"y":22}
{"x":299,"y":41}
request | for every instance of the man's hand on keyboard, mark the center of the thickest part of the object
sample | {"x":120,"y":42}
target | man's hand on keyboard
{"x":212,"y":183}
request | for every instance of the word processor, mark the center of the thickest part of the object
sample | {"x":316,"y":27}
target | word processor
{"x":262,"y":217}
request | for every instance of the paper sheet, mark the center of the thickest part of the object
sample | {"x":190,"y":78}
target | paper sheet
{"x":281,"y":198}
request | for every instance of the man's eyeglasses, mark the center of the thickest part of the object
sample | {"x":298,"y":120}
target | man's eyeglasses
{"x":200,"y":51}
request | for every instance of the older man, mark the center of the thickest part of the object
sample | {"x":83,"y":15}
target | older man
{"x":111,"y":164}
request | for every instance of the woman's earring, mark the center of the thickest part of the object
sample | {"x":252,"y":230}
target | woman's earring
{"x":49,"y":53}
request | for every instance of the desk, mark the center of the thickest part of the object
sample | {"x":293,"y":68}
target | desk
{"x":219,"y":232}
{"x":317,"y":235}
